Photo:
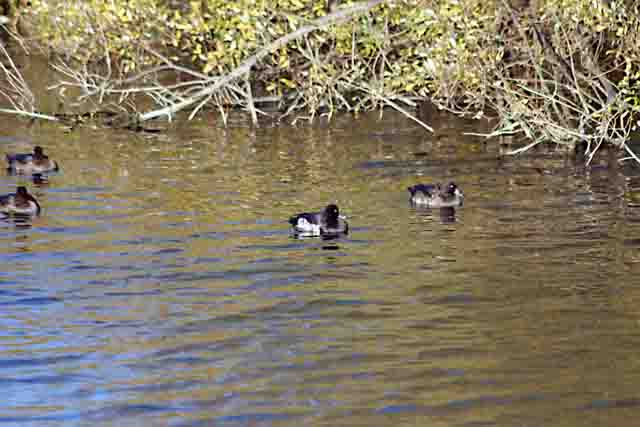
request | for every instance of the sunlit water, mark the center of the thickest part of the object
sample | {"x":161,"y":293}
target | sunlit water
{"x":161,"y":285}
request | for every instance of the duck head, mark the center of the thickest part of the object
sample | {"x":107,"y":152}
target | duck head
{"x":453,"y":190}
{"x":331,"y":214}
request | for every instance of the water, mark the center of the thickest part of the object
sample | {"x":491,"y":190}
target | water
{"x":161,"y":285}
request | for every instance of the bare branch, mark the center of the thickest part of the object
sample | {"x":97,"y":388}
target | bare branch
{"x":247,"y":64}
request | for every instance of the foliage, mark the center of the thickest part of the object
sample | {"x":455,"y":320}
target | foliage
{"x":216,"y":35}
{"x":569,"y":74}
{"x":466,"y":56}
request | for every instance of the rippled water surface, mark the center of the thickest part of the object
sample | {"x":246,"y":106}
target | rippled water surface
{"x":161,"y":285}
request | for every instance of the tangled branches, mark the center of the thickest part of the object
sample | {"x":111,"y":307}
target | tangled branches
{"x":557,"y":82}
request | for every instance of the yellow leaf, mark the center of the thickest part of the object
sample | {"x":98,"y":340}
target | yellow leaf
{"x":289,"y":83}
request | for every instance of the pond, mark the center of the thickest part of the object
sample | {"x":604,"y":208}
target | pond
{"x":161,"y":285}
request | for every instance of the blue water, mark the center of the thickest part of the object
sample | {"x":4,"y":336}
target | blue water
{"x":161,"y":285}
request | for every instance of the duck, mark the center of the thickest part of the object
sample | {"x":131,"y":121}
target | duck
{"x":327,"y":222}
{"x":31,"y":163}
{"x":19,"y":203}
{"x":436,"y":196}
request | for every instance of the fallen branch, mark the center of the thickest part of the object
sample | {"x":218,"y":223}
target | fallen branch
{"x":247,"y":64}
{"x":29,"y":114}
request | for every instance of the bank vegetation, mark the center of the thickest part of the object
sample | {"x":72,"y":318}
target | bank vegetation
{"x":560,"y":71}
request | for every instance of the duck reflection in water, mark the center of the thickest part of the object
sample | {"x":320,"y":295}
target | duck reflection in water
{"x":446,"y":215}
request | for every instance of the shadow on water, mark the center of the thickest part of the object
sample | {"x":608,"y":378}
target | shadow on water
{"x":446,"y":215}
{"x":161,"y":285}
